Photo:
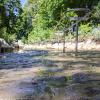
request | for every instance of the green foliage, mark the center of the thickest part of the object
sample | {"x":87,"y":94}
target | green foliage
{"x":51,"y":15}
{"x":40,"y":18}
{"x":85,"y":29}
{"x":96,"y":11}
{"x":10,"y":13}
{"x":40,"y":35}
{"x":71,"y":14}
{"x":7,"y":36}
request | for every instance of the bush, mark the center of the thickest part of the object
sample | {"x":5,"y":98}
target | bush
{"x":40,"y":35}
{"x":7,"y":36}
{"x":85,"y":31}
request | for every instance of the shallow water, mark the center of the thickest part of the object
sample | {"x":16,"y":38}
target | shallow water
{"x":16,"y":73}
{"x":22,"y":77}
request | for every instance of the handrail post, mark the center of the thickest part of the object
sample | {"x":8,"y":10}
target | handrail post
{"x":76,"y":41}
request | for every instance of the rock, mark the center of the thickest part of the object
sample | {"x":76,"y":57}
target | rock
{"x":80,"y":77}
{"x":3,"y":43}
{"x":97,"y":97}
{"x":57,"y":81}
{"x":43,"y":88}
{"x":91,"y":91}
{"x":54,"y":81}
{"x":4,"y":46}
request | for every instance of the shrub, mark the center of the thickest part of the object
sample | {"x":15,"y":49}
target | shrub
{"x":85,"y":31}
{"x":40,"y":35}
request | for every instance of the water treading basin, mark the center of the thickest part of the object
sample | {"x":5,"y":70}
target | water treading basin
{"x":45,"y":75}
{"x":15,"y":68}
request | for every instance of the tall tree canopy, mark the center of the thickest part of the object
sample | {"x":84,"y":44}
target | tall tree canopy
{"x":10,"y":11}
{"x":47,"y":14}
{"x":39,"y":18}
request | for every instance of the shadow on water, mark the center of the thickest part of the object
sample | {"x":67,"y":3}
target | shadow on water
{"x":84,"y":59}
{"x":12,"y":68}
{"x":59,"y":88}
{"x":24,"y":59}
{"x":51,"y":86}
{"x":86,"y":54}
{"x":80,"y":85}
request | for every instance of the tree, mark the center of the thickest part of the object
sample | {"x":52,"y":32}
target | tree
{"x":45,"y":15}
{"x":10,"y":13}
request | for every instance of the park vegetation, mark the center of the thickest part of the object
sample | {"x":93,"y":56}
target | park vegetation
{"x":38,"y":20}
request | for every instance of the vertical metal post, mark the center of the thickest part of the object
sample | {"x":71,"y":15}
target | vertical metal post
{"x":0,"y":46}
{"x":76,"y":46}
{"x":58,"y":42}
{"x":64,"y":43}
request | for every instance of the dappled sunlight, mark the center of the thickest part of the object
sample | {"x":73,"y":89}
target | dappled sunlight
{"x":49,"y":49}
{"x":35,"y":74}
